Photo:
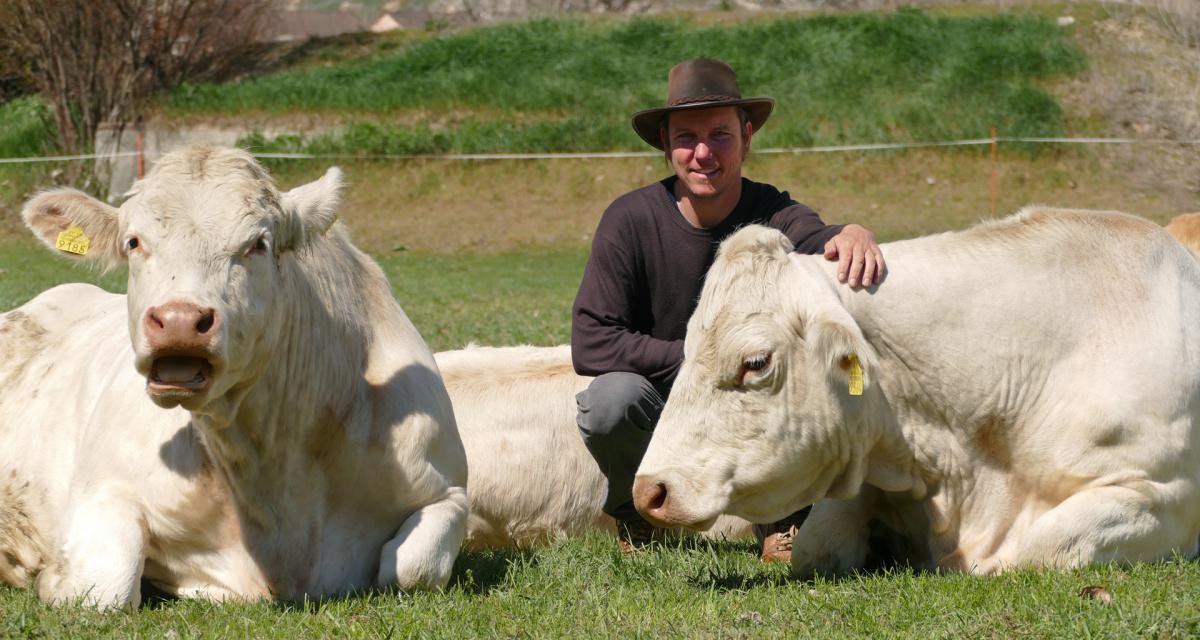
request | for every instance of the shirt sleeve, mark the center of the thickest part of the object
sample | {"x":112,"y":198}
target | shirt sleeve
{"x":603,"y":338}
{"x":802,"y":225}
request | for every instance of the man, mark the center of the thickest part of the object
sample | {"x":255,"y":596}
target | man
{"x":649,"y":256}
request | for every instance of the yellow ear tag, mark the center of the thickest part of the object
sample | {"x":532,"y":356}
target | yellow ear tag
{"x":74,"y":241}
{"x":856,"y":380}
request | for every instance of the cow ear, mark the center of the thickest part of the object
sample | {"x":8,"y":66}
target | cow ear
{"x":838,"y":344}
{"x":73,"y":224}
{"x":312,"y":208}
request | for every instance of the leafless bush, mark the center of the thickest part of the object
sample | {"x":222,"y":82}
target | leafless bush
{"x":12,"y":82}
{"x":1145,"y":81}
{"x":100,"y":61}
{"x":1180,"y":18}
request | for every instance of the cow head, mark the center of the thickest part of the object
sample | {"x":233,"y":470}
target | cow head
{"x":203,"y":237}
{"x":755,"y":423}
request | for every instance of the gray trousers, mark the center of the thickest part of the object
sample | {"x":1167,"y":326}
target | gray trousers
{"x":617,"y":414}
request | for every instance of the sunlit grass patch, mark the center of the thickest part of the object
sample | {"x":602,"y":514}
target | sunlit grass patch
{"x":570,"y":84}
{"x":692,"y":588}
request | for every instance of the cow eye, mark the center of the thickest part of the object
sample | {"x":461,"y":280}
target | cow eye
{"x":754,"y":364}
{"x":131,"y":243}
{"x":259,"y":247}
{"x":757,"y":362}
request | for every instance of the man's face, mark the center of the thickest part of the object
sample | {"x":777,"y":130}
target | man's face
{"x":707,"y":147}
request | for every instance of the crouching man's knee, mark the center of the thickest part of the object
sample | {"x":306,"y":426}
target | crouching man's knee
{"x":618,"y":405}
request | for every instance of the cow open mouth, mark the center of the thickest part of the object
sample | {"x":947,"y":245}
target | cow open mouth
{"x":180,"y":373}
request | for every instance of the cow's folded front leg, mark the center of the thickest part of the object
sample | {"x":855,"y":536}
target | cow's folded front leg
{"x":834,"y":538}
{"x":100,"y":558}
{"x":1142,"y":522}
{"x":421,"y":555}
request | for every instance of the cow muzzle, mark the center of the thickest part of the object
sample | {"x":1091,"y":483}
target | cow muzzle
{"x":181,"y":336}
{"x":653,"y":498}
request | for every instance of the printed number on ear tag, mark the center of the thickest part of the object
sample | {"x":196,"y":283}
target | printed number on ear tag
{"x":74,"y":241}
{"x":856,"y":376}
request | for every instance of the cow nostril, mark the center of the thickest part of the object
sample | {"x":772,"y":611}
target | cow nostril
{"x":658,"y":497}
{"x":152,"y":319}
{"x":206,"y":322}
{"x":650,"y":499}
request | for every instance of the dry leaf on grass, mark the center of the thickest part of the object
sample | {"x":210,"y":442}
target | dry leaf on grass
{"x":752,"y":616}
{"x":1096,"y":592}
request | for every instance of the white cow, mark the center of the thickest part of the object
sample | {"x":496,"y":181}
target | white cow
{"x":1185,"y":228}
{"x":1029,"y":395}
{"x":532,"y":479}
{"x":257,"y":418}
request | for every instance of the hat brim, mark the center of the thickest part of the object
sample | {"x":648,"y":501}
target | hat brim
{"x":647,"y":122}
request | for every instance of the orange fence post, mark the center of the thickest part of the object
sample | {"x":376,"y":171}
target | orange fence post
{"x":141,"y":161}
{"x":995,"y":177}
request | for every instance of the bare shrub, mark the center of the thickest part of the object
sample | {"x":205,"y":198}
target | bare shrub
{"x":100,"y":61}
{"x":1145,"y":81}
{"x":1179,"y":18}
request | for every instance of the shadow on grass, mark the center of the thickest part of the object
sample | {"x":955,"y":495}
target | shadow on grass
{"x":476,"y":573}
{"x":726,"y":581}
{"x":154,"y":598}
{"x":480,"y":572}
{"x":884,"y":558}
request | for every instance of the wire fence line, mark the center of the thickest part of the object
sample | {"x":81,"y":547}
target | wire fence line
{"x":624,"y":154}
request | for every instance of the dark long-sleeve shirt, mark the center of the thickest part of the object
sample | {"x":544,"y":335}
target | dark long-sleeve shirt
{"x":647,"y":268}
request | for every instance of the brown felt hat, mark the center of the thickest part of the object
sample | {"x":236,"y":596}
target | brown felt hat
{"x":698,"y":84}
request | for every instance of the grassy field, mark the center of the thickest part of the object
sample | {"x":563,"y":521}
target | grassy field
{"x":513,"y":298}
{"x":585,"y":588}
{"x":569,"y":85}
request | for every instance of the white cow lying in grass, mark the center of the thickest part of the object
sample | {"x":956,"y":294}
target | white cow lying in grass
{"x":1185,"y":228}
{"x":1026,"y":392}
{"x":285,"y":433}
{"x":532,"y":479}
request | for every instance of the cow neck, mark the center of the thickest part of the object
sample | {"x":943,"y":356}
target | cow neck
{"x":311,"y":381}
{"x":882,"y":456}
{"x":926,"y":360}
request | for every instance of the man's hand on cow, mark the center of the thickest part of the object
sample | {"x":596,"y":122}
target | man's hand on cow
{"x":858,"y":255}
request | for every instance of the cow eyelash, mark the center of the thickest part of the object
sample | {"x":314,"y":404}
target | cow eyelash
{"x":756,"y":362}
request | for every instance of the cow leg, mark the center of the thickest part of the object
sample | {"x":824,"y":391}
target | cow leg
{"x":1110,"y":524}
{"x":834,"y":539}
{"x":101,"y":558}
{"x":421,"y":555}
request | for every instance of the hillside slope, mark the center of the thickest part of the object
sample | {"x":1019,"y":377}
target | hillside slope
{"x":570,"y":84}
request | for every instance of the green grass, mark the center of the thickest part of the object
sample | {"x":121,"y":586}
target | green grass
{"x":513,"y":298}
{"x":570,"y":84}
{"x":585,"y":588}
{"x":27,"y":269}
